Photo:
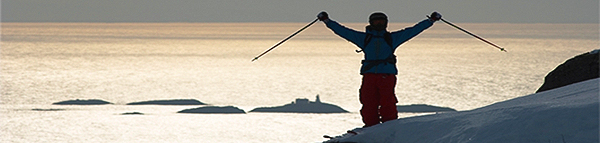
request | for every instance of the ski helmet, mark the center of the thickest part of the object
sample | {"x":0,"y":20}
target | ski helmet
{"x":378,"y":16}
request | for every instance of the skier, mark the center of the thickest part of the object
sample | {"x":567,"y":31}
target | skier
{"x":379,"y":71}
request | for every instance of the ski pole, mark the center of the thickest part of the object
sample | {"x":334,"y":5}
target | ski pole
{"x":501,"y":49}
{"x":256,"y":58}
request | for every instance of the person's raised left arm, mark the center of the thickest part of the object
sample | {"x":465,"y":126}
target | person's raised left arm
{"x":406,"y":34}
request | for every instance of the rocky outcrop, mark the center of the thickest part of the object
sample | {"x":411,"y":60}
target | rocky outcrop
{"x":214,"y":110}
{"x":82,"y":102}
{"x":579,"y":68}
{"x":169,"y":102}
{"x":132,"y":113}
{"x":303,"y":106}
{"x":51,"y":109}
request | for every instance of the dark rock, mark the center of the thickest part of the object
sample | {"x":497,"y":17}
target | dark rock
{"x":82,"y":102}
{"x":214,"y":110}
{"x":169,"y":102}
{"x":132,"y":113}
{"x":303,"y":106}
{"x":52,"y":109}
{"x":579,"y":68}
{"x":422,"y":108}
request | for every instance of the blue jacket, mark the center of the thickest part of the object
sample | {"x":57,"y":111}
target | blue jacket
{"x":377,"y":48}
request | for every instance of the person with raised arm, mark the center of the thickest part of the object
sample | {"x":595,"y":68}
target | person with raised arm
{"x":377,"y":91}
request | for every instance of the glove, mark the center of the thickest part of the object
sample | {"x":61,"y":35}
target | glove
{"x":435,"y":16}
{"x":323,"y":16}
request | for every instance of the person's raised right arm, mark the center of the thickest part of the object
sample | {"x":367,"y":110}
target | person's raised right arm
{"x":351,"y":35}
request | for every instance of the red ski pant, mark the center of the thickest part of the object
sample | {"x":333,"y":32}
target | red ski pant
{"x":378,"y":98}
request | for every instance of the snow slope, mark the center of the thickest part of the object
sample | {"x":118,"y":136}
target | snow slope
{"x":567,"y":114}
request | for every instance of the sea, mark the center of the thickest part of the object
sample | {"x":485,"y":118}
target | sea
{"x":44,"y":63}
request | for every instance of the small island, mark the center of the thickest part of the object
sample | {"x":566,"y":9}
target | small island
{"x":422,"y":108}
{"x":214,"y":110}
{"x":51,"y":109}
{"x":303,"y":106}
{"x":169,"y":102}
{"x":82,"y":102}
{"x":132,"y":113}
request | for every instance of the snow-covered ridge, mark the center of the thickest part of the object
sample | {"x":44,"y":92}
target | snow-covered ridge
{"x":567,"y":114}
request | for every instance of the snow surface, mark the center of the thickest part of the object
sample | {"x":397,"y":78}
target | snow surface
{"x":567,"y":114}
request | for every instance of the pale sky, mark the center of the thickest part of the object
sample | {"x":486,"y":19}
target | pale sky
{"x":466,"y":11}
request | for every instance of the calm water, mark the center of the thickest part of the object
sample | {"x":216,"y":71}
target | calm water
{"x":44,"y":63}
